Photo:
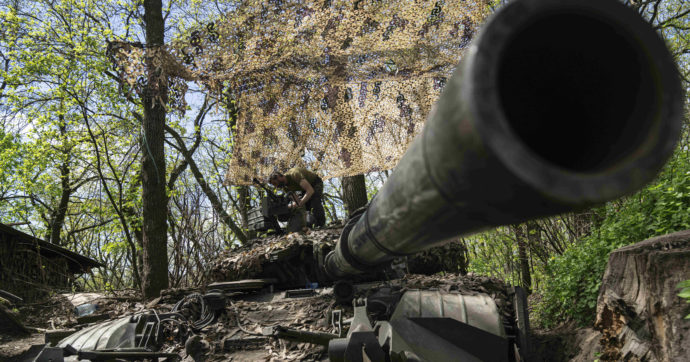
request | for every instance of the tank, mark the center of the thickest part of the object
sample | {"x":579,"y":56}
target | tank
{"x":557,"y":106}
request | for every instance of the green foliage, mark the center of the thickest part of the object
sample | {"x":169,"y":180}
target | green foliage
{"x":9,"y":157}
{"x":575,"y":277}
{"x":573,"y":286}
{"x":56,"y":76}
{"x":685,"y":292}
{"x":495,"y":253}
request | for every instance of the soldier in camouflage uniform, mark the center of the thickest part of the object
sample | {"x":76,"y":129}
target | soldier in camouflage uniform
{"x":301,"y":179}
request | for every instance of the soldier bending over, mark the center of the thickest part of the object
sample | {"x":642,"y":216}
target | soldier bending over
{"x":301,"y":179}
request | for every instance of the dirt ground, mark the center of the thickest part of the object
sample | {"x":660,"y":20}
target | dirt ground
{"x":12,"y":347}
{"x":566,"y":343}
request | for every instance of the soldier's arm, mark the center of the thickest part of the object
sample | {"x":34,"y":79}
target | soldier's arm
{"x":308,"y":189}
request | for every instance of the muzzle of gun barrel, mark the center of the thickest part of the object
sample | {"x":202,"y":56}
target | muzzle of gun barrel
{"x":557,"y":106}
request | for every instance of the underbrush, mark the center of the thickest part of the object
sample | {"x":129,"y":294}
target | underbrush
{"x":573,"y":280}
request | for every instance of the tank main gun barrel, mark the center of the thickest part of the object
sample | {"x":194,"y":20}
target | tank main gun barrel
{"x":557,"y":106}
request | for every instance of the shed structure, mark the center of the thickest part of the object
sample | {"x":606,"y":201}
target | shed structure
{"x":30,"y":267}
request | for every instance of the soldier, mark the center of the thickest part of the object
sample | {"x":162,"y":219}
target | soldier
{"x":301,"y":179}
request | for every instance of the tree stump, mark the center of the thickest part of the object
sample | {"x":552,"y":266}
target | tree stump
{"x":639,"y":312}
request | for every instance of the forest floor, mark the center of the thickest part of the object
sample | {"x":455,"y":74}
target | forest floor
{"x":566,"y":342}
{"x":12,"y":348}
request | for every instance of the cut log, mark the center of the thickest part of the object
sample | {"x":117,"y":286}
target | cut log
{"x":639,"y":312}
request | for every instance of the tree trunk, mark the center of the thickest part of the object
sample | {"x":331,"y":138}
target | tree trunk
{"x":522,"y":241}
{"x":354,"y":188}
{"x":354,"y":193}
{"x":57,"y":220}
{"x":245,"y":198}
{"x":133,"y":254}
{"x":57,"y":217}
{"x":154,"y":94}
{"x":244,"y":203}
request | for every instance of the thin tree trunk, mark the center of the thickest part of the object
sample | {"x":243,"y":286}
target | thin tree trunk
{"x":58,"y":218}
{"x":115,"y":205}
{"x":465,"y":262}
{"x":154,"y":94}
{"x":522,"y":240}
{"x":354,"y":193}
{"x":533,"y":238}
{"x":244,"y":201}
{"x":208,"y":191}
{"x":245,"y":198}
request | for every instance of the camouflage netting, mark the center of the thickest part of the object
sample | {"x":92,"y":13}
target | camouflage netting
{"x":248,"y":261}
{"x":340,"y":87}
